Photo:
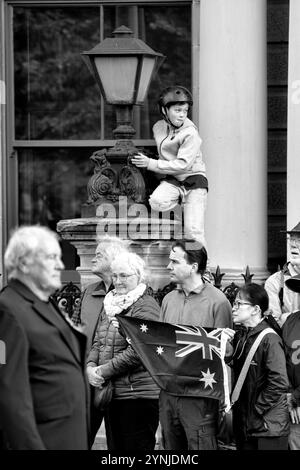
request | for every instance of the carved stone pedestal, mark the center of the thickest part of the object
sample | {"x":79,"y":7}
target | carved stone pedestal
{"x":151,"y":239}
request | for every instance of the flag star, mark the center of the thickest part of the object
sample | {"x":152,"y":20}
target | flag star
{"x":159,"y":350}
{"x":208,"y":378}
{"x":144,"y":328}
{"x":128,"y":340}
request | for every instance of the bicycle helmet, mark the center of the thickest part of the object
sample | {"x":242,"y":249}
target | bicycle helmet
{"x":174,"y":94}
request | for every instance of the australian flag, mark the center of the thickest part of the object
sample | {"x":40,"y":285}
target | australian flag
{"x":182,"y":360}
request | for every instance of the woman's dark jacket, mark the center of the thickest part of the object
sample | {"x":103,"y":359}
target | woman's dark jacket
{"x":291,"y":337}
{"x":118,"y":360}
{"x":261,"y":409}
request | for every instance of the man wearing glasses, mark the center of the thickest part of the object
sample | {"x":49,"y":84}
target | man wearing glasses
{"x":283,"y":300}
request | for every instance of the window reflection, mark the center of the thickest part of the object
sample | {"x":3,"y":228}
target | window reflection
{"x":56,"y":97}
{"x":52,"y":184}
{"x":55,"y":94}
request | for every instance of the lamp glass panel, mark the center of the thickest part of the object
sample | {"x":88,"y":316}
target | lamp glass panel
{"x":117,"y":75}
{"x":147,"y":69}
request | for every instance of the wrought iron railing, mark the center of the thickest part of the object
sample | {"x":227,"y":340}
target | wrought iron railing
{"x":68,"y":298}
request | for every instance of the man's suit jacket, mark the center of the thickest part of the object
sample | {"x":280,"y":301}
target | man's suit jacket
{"x":91,"y":306}
{"x":43,"y":390}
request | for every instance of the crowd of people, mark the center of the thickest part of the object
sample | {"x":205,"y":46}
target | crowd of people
{"x":55,"y":392}
{"x":63,"y":377}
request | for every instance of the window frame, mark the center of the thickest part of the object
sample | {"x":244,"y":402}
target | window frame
{"x":10,"y":146}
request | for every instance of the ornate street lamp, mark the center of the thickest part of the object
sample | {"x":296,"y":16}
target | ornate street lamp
{"x":123,"y":67}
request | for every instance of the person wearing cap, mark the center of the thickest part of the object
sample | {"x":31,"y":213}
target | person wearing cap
{"x":283,"y":300}
{"x":291,"y":341}
{"x":180,"y":162}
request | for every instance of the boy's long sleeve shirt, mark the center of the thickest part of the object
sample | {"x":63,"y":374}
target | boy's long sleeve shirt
{"x":178,"y":149}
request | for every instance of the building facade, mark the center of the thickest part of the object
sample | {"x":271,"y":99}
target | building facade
{"x":239,"y":58}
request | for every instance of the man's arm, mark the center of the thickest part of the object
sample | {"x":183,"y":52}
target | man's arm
{"x":16,"y":404}
{"x":273,"y":286}
{"x":162,"y":313}
{"x":223,"y":314}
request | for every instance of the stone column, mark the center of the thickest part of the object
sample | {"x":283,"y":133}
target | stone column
{"x":2,"y":139}
{"x":233,"y":126}
{"x":293,"y":135}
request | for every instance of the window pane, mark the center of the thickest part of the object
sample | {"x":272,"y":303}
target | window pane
{"x":167,"y":29}
{"x":55,"y":93}
{"x":52,"y":187}
{"x":52,"y":184}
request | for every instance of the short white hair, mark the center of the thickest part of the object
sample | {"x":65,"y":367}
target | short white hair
{"x":24,"y":242}
{"x":111,"y":247}
{"x":134,"y":261}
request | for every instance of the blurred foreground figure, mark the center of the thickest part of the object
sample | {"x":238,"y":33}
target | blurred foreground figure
{"x":43,"y":399}
{"x":291,"y":337}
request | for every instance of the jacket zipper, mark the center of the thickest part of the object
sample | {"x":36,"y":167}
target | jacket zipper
{"x":160,"y":146}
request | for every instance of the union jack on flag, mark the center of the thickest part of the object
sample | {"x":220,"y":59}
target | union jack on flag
{"x":183,"y":360}
{"x":195,"y":338}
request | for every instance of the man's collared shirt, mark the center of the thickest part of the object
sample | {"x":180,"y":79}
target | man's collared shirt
{"x":205,"y":306}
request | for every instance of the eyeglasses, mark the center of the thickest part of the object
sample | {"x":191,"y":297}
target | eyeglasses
{"x":238,"y":304}
{"x":52,"y":256}
{"x":122,"y":276}
{"x":99,"y":255}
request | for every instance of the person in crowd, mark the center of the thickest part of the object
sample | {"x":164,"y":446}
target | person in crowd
{"x":132,"y":415}
{"x":283,"y":300}
{"x":191,"y":423}
{"x":260,"y":414}
{"x":107,"y":250}
{"x":43,"y":388}
{"x":87,"y":315}
{"x":291,"y":341}
{"x":180,"y":162}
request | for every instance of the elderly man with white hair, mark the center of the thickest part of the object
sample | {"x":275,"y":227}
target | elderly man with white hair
{"x":43,"y":398}
{"x":107,"y":249}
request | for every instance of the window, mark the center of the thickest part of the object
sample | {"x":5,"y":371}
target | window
{"x":59,"y":117}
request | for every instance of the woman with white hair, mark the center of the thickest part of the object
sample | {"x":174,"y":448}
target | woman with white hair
{"x":132,"y":415}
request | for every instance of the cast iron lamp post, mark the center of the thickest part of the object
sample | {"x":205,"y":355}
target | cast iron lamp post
{"x":123,"y":67}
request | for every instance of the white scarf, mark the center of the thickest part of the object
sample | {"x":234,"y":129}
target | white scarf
{"x":115,"y":303}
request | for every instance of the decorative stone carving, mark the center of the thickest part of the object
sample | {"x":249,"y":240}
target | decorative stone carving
{"x":107,"y":185}
{"x":132,"y":183}
{"x":104,"y":181}
{"x":68,"y":299}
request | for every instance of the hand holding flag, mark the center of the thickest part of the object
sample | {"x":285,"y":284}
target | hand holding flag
{"x":182,"y":360}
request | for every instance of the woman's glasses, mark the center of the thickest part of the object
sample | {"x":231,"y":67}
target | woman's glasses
{"x":122,"y":276}
{"x":239,"y":303}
